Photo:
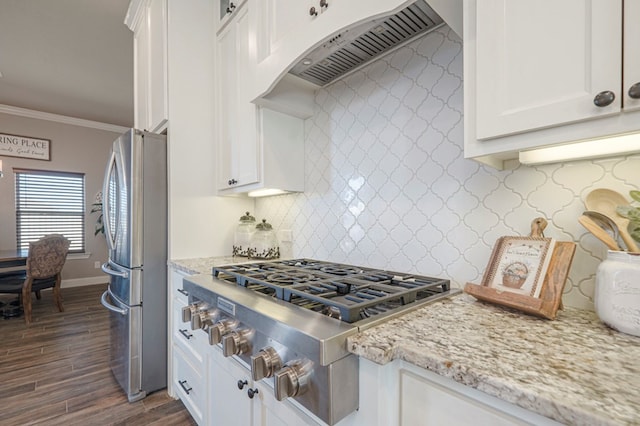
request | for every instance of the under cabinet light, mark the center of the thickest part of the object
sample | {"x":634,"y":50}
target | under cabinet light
{"x":584,"y":150}
{"x":266,"y":192}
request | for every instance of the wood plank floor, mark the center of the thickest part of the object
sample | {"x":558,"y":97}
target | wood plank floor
{"x":56,"y":372}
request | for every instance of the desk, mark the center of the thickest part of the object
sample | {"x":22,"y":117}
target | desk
{"x":13,"y":258}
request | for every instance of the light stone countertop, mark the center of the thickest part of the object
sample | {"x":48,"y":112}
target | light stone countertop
{"x":203,"y":265}
{"x":574,"y":370}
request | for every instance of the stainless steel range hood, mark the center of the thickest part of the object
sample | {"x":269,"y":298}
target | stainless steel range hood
{"x":359,"y":45}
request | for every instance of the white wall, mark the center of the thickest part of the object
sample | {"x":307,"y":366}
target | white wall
{"x":387,"y":185}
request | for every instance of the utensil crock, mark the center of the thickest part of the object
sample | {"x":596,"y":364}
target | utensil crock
{"x":617,"y":294}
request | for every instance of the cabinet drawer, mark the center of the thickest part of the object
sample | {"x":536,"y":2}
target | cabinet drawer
{"x":189,"y":385}
{"x":194,"y":343}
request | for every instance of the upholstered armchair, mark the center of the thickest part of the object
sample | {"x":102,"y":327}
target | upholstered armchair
{"x":44,"y":266}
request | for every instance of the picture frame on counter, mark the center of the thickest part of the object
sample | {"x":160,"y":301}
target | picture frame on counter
{"x":543,"y":296}
{"x":519,"y":264}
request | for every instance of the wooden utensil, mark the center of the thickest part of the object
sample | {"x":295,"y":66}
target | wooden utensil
{"x":598,"y":232}
{"x":606,"y":201}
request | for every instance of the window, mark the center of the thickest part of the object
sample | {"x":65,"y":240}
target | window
{"x":50,"y":203}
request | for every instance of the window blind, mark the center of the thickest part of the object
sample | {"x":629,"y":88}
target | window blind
{"x":50,"y":203}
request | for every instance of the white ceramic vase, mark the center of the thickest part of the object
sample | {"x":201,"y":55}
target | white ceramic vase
{"x":617,"y":295}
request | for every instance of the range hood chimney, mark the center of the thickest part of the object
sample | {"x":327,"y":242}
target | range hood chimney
{"x":359,"y":45}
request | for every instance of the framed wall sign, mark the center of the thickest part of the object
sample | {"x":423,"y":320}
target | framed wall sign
{"x":25,"y":147}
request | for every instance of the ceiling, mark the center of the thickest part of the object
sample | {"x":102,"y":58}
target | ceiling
{"x":67,"y":57}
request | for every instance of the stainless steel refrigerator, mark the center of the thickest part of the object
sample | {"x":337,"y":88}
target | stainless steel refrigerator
{"x":134,"y":206}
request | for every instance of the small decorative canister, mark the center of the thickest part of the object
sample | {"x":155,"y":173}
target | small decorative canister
{"x":242,"y":237}
{"x":617,"y":295}
{"x":264,"y":243}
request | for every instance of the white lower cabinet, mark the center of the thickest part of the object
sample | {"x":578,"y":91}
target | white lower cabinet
{"x":402,"y":394}
{"x":189,"y":385}
{"x":230,"y":387}
{"x":229,"y":404}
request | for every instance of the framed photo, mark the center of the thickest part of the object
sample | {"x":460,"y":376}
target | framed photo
{"x":519,"y":265}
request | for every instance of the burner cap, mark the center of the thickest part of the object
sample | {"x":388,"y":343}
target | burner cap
{"x":289,"y":277}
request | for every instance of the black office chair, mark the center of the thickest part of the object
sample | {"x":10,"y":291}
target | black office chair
{"x":44,"y":265}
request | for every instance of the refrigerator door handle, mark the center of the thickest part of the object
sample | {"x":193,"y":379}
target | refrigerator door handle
{"x":105,"y":203}
{"x":109,"y":306}
{"x":106,"y":268}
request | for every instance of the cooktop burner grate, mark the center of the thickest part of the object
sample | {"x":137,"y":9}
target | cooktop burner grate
{"x":349,"y":293}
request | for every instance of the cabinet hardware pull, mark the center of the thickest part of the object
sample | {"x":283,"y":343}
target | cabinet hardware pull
{"x":604,"y":99}
{"x":324,"y":4}
{"x":634,"y":91}
{"x":252,"y":392}
{"x":186,"y":334}
{"x":182,"y":384}
{"x":232,"y":182}
{"x":183,"y":291}
{"x":241,"y":384}
{"x":313,"y":11}
{"x":231,"y":7}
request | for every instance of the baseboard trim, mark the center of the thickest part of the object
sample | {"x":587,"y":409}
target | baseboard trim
{"x":81,"y":282}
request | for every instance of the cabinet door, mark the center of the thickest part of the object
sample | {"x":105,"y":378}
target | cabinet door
{"x":423,"y":402}
{"x":268,"y":411}
{"x":631,"y":74}
{"x":542,"y":63}
{"x":229,"y":405}
{"x":237,"y":144}
{"x":189,"y":385}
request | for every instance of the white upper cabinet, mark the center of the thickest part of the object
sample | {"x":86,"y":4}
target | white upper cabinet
{"x":543,"y":63}
{"x":631,"y":73}
{"x":237,"y":143}
{"x":148,"y":20}
{"x":547,"y":72}
{"x":257,"y":149}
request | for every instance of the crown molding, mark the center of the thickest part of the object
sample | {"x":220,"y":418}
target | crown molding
{"x":29,"y":113}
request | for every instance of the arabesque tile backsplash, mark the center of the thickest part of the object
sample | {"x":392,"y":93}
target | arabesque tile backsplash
{"x":387,"y":184}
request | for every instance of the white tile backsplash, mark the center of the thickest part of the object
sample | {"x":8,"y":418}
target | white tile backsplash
{"x":387,"y":185}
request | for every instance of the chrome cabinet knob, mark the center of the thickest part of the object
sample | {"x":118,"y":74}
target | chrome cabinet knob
{"x":292,"y":379}
{"x":313,"y":11}
{"x":219,"y":329}
{"x":235,"y":343}
{"x":604,"y":98}
{"x":324,"y":4}
{"x":265,"y":363}
{"x":634,"y":91}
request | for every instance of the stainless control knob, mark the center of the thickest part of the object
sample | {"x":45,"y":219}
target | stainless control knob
{"x":190,"y":310}
{"x":292,"y":379}
{"x":204,"y":318}
{"x":265,"y":363}
{"x":236,"y":342}
{"x":219,"y":329}
{"x":197,"y":316}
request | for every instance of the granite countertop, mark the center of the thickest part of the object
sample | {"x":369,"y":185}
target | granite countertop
{"x":574,"y":370}
{"x":202,"y":265}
